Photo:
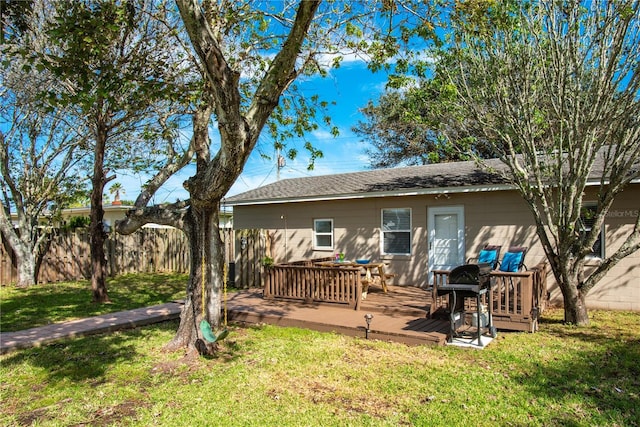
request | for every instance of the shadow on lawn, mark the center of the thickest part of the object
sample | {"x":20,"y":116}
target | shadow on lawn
{"x":43,"y":304}
{"x":596,"y":366}
{"x":86,"y":358}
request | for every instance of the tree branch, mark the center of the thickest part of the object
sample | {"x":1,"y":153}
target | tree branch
{"x":172,"y":215}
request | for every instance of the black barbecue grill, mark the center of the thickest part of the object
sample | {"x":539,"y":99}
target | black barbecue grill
{"x":468,"y":281}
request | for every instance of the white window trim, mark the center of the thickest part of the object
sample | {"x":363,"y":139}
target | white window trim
{"x":315,"y":234}
{"x":382,"y":232}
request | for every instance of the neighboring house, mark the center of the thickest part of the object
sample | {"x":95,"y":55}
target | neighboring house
{"x":112,"y":213}
{"x":116,"y":211}
{"x":418,"y":219}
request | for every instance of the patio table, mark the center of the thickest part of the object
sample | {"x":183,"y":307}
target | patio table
{"x":368,"y":277}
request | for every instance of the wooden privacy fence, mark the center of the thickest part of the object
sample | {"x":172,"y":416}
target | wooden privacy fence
{"x":517,"y":299}
{"x":147,"y":250}
{"x":311,"y":283}
{"x":253,"y":246}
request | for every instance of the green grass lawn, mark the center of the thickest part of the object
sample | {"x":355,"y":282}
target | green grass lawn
{"x":275,"y":376}
{"x":39,"y":305}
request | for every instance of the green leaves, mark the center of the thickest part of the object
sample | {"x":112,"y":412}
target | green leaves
{"x":417,"y":124}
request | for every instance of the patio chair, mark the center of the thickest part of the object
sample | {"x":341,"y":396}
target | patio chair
{"x":489,"y":254}
{"x":513,"y":260}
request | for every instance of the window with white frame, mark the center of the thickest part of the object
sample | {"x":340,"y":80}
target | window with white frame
{"x":323,"y":234}
{"x":587,"y":219}
{"x":396,"y":231}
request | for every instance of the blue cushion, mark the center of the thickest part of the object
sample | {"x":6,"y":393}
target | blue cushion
{"x":489,"y":256}
{"x":511,"y":262}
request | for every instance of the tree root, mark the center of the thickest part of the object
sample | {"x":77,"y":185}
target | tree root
{"x":206,"y":348}
{"x":200,"y":347}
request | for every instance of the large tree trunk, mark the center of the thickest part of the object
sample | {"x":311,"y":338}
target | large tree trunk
{"x":25,"y":260}
{"x":97,"y":232}
{"x":575,"y":311}
{"x":575,"y":308}
{"x":26,"y":266}
{"x":207,"y":263}
{"x":562,"y":266}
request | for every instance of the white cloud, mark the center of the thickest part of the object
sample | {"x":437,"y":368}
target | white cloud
{"x":322,"y":134}
{"x":326,"y":60}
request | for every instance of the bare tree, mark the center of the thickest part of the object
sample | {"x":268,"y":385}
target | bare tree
{"x":39,"y":152}
{"x":554,"y":87}
{"x":38,"y":179}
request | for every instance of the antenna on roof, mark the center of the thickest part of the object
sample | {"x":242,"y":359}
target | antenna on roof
{"x":280,"y":163}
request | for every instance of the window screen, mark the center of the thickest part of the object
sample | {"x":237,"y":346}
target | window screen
{"x":396,"y":231}
{"x":587,"y":219}
{"x":323,"y":234}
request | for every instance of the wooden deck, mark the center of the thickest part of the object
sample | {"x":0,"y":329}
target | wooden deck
{"x":400,"y":315}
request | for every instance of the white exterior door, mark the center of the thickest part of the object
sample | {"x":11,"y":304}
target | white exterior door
{"x":446,"y":238}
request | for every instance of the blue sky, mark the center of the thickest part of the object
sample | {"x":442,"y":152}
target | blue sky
{"x":350,"y":86}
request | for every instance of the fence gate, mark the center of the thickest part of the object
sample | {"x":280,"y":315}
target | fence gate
{"x":251,"y":248}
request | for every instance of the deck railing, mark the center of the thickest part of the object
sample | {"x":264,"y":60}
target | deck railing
{"x":310,"y":283}
{"x":517,"y":299}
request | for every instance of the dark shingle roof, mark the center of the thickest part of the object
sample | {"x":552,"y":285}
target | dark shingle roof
{"x":433,"y":178}
{"x":373,"y":182}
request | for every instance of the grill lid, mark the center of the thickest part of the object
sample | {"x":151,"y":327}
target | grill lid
{"x":470,"y":274}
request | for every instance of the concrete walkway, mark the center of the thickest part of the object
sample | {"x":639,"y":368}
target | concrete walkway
{"x":129,"y":319}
